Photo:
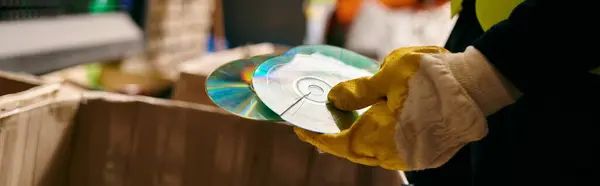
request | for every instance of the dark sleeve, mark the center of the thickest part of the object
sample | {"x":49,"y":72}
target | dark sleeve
{"x":542,"y":45}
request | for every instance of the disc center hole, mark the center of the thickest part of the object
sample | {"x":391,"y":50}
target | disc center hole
{"x":314,"y":89}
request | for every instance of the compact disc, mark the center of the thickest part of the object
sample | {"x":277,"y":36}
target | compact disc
{"x":229,"y":87}
{"x":349,"y":57}
{"x":295,"y":85}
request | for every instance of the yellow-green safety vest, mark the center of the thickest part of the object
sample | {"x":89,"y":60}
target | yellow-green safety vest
{"x":490,"y":12}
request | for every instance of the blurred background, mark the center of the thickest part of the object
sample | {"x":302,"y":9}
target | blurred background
{"x":166,"y":49}
{"x":142,"y":46}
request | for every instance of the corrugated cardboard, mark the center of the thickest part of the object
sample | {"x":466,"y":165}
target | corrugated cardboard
{"x":35,"y":133}
{"x":74,"y":138}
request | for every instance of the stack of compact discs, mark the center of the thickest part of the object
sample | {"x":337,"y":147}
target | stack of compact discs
{"x":292,"y":87}
{"x":230,"y":88}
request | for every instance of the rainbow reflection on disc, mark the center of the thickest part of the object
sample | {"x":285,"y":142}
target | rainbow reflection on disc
{"x":296,"y":85}
{"x":229,"y":87}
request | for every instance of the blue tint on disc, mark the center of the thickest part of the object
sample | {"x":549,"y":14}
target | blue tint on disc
{"x":229,"y":87}
{"x":283,"y":84}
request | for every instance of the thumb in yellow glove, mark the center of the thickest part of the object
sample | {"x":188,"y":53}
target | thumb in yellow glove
{"x":426,"y":103}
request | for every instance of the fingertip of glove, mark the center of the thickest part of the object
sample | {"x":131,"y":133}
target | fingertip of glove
{"x":299,"y":131}
{"x":400,"y":52}
{"x":352,"y":95}
{"x":304,"y":134}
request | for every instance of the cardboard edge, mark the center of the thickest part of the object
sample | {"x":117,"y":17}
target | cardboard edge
{"x":40,"y":104}
{"x":16,"y":101}
{"x":75,"y":75}
{"x":195,"y":65}
{"x":59,"y":92}
{"x":22,"y":77}
{"x":37,"y":97}
{"x":31,"y":93}
{"x":35,"y":81}
{"x":113,"y":97}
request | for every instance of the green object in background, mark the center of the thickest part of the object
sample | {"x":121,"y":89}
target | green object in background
{"x":102,"y":6}
{"x":94,"y":70}
{"x":596,"y":71}
{"x":93,"y":75}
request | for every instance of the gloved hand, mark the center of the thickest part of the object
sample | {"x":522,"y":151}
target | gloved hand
{"x":426,"y":103}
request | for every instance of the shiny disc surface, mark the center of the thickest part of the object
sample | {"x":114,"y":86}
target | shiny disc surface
{"x":229,"y":87}
{"x":346,"y":56}
{"x":295,"y":85}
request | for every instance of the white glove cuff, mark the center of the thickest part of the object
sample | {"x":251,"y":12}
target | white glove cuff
{"x":445,"y":108}
{"x":482,"y":82}
{"x":438,"y":116}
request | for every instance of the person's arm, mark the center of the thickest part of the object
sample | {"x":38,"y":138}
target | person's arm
{"x":535,"y":48}
{"x":426,"y":103}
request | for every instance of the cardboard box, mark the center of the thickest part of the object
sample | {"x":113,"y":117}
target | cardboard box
{"x":60,"y":137}
{"x":193,"y":73}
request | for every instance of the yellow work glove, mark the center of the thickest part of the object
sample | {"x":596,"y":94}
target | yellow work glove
{"x":426,"y":103}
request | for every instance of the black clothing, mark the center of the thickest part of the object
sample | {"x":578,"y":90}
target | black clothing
{"x":548,"y":135}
